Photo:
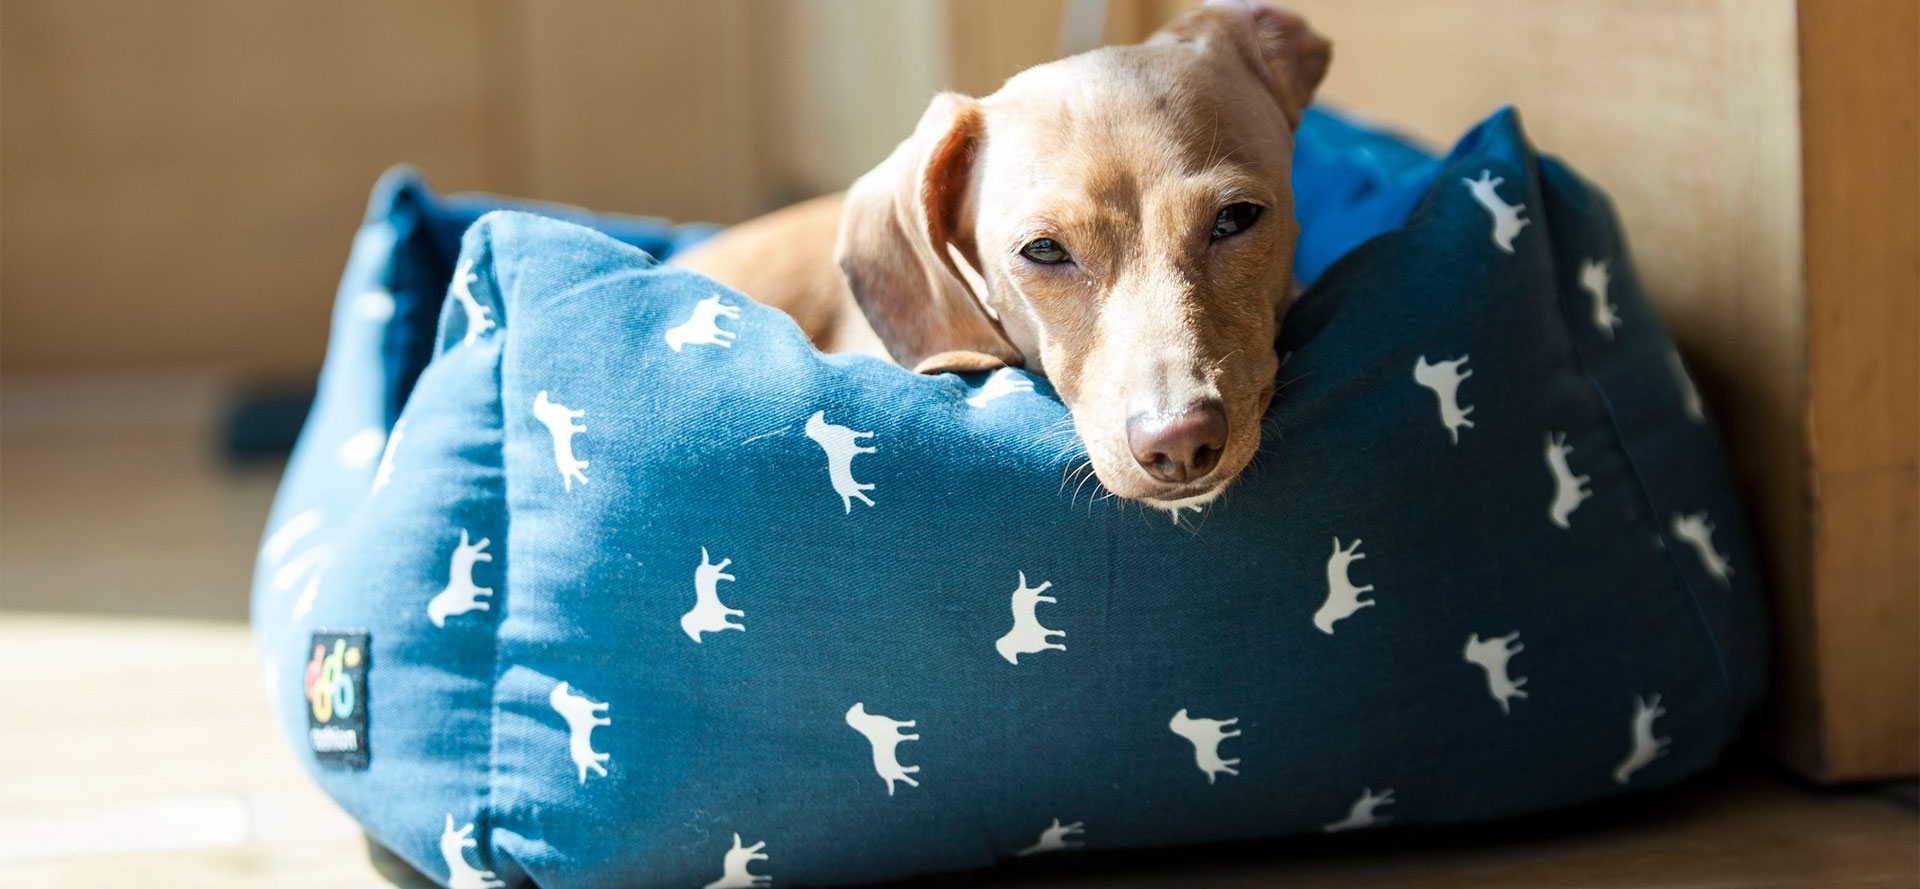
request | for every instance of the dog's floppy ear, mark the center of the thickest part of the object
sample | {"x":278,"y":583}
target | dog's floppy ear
{"x":1281,"y":48}
{"x":903,"y":224}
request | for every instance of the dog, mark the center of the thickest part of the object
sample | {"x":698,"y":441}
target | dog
{"x":1119,"y":221}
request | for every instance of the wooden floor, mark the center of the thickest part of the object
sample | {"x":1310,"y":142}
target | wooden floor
{"x":136,"y":750}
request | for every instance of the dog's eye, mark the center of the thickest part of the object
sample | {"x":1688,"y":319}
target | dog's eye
{"x":1045,"y":252}
{"x":1234,"y":218}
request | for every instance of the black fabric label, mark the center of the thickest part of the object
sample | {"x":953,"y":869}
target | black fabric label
{"x":336,"y":685}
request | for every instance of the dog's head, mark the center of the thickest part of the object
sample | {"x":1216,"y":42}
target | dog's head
{"x":1121,"y":221}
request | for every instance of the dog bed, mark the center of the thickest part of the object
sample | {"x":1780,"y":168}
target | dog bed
{"x":614,"y":581}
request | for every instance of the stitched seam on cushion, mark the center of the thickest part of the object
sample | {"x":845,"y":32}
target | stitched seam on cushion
{"x":502,"y":595}
{"x":1633,"y":465}
{"x":1667,"y":548}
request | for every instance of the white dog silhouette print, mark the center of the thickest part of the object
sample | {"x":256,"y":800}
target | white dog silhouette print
{"x":1689,"y":395}
{"x":303,"y":605}
{"x":1343,"y":598}
{"x":1696,"y":531}
{"x":383,"y":473}
{"x":1569,"y":490}
{"x":885,"y":736}
{"x":1361,"y":813}
{"x":374,"y":305}
{"x":291,"y":532}
{"x":308,"y":562}
{"x":1444,"y":379}
{"x":1507,"y":222}
{"x":311,"y":565}
{"x":453,"y":850}
{"x":840,"y":444}
{"x":1492,"y":655}
{"x":461,"y":594}
{"x":1054,"y":838}
{"x":703,"y":328}
{"x":582,"y":716}
{"x":360,"y":449}
{"x":1027,"y":635}
{"x":1646,"y":747}
{"x":1000,"y":383}
{"x":1206,"y":735}
{"x":708,"y":614}
{"x":1594,"y":280}
{"x":479,"y":317}
{"x":559,"y":422}
{"x":733,"y":867}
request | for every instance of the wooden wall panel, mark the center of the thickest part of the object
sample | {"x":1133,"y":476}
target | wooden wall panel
{"x":642,"y":107}
{"x":842,"y":82}
{"x":1860,"y":100}
{"x":994,"y":39}
{"x":179,"y":182}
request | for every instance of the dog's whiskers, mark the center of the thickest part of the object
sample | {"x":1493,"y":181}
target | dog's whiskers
{"x":1214,"y":369}
{"x":1088,"y":476}
{"x":1072,"y":471}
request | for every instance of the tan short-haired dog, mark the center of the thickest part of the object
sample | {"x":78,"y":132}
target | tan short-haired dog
{"x":1120,"y":221}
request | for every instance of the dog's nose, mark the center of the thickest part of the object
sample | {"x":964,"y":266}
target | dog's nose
{"x":1182,"y":445}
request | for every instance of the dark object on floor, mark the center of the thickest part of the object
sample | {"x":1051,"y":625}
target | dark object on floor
{"x":264,"y":423}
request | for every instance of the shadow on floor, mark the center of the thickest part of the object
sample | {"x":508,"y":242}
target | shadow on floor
{"x":121,"y":495}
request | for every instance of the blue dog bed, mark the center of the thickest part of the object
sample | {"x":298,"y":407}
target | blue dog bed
{"x":614,"y":581}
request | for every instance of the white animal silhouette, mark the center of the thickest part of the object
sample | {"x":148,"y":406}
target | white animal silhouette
{"x":1506,"y":217}
{"x":702,"y":329}
{"x":885,"y":735}
{"x":1492,"y":655}
{"x":559,"y":422}
{"x":479,"y":317}
{"x":709,"y":615}
{"x":840,"y":444}
{"x":1206,"y":735}
{"x":310,"y":564}
{"x":453,"y":850}
{"x":1646,"y":747}
{"x":1000,"y":383}
{"x":360,"y":449}
{"x":1444,"y":379}
{"x":1343,"y":598}
{"x":1054,"y":838}
{"x":1360,"y":814}
{"x":384,"y":472}
{"x":1594,"y":280}
{"x":270,"y":679}
{"x":1689,"y":394}
{"x":733,"y":867}
{"x":374,"y":305}
{"x":1027,"y":635}
{"x":1569,"y":490}
{"x":1696,"y":531}
{"x":461,"y":595}
{"x":290,"y":532}
{"x":582,"y":716}
{"x":303,"y":605}
{"x":309,"y":561}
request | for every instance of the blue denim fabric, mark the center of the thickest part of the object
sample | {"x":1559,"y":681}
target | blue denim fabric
{"x":711,"y":625}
